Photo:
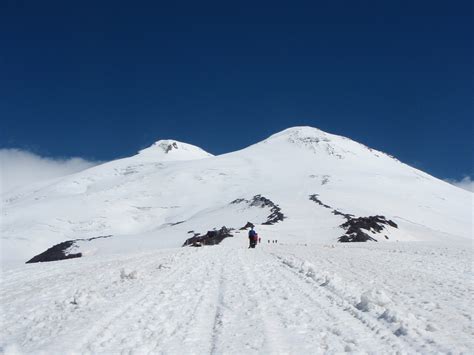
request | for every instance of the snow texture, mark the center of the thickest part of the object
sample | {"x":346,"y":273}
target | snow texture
{"x":279,"y":298}
{"x":140,"y":292}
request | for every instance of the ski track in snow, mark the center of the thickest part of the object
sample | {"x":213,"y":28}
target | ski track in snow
{"x":233,"y":300}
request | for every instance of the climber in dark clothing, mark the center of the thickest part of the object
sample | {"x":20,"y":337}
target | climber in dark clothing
{"x":253,"y":237}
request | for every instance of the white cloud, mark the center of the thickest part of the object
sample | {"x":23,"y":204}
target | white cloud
{"x":465,"y":183}
{"x":20,"y":168}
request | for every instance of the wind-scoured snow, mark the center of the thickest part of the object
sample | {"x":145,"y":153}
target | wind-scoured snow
{"x":278,"y":298}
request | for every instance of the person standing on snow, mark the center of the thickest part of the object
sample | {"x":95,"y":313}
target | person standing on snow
{"x":253,"y":237}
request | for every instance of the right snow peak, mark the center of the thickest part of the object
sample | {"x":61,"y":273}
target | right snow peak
{"x":320,"y":142}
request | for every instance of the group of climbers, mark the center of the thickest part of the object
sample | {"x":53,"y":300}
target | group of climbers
{"x":254,"y":239}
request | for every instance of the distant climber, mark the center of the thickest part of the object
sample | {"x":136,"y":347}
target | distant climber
{"x":253,"y":238}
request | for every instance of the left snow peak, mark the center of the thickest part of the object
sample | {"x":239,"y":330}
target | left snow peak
{"x":170,"y":150}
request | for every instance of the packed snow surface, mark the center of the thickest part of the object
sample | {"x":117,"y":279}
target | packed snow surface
{"x":406,"y":297}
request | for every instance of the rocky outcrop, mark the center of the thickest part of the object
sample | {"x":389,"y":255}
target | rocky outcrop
{"x":210,"y":238}
{"x":170,"y":147}
{"x":60,"y":251}
{"x":315,"y":198}
{"x":345,"y":215}
{"x":247,"y":226}
{"x":276,"y":214}
{"x":56,"y":252}
{"x":357,"y":227}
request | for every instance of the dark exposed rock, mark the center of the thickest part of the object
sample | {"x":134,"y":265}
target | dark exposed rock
{"x":391,"y":223}
{"x":358,"y":236}
{"x":247,"y":226}
{"x":58,"y":251}
{"x":210,"y":238}
{"x":276,"y":214}
{"x":275,"y":217}
{"x":260,"y":201}
{"x":354,"y":226}
{"x":170,"y":147}
{"x":176,"y":223}
{"x":373,"y":224}
{"x":315,"y":198}
{"x":345,"y":215}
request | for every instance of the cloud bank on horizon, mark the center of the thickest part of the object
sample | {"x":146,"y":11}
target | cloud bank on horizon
{"x":20,"y":168}
{"x":465,"y":183}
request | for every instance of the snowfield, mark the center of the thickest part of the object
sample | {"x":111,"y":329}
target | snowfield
{"x":227,"y":299}
{"x":132,"y":289}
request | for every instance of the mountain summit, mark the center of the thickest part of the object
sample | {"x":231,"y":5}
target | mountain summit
{"x":172,"y":150}
{"x":301,"y":185}
{"x":322,"y":143}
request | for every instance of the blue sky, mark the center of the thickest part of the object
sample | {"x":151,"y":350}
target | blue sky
{"x":101,"y":81}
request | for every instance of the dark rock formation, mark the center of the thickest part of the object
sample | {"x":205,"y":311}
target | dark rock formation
{"x":373,"y":224}
{"x":275,"y":217}
{"x":260,"y":201}
{"x":247,"y":226}
{"x":58,"y":251}
{"x":170,"y":147}
{"x":210,"y":238}
{"x":276,"y":214}
{"x":176,"y":223}
{"x":358,"y":236}
{"x":315,"y":198}
{"x":345,"y":215}
{"x":354,"y":226}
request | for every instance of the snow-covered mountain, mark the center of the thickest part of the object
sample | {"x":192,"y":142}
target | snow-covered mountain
{"x":301,"y":185}
{"x":137,"y":291}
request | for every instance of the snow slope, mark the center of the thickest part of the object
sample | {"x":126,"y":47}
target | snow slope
{"x":227,"y":299}
{"x":153,"y":199}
